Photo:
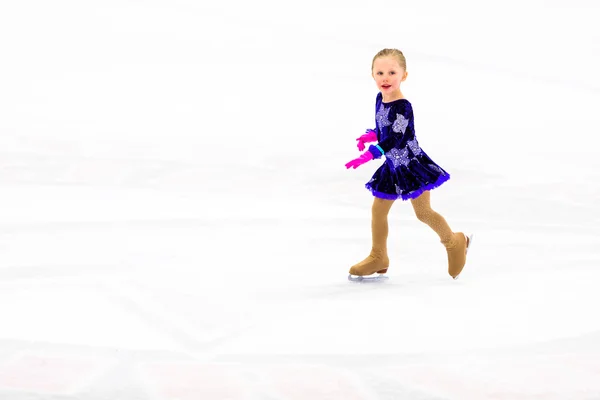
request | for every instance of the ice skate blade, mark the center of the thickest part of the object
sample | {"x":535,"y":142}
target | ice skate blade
{"x":470,"y":241}
{"x":369,"y":278}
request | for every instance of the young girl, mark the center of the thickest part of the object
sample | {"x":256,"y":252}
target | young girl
{"x":407,"y":173}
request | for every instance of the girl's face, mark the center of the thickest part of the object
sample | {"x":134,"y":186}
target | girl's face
{"x":388,"y":74}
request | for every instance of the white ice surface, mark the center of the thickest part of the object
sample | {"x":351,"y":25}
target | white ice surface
{"x":176,"y":221}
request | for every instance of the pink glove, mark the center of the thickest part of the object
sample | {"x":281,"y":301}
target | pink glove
{"x":370,"y":136}
{"x":365,"y":157}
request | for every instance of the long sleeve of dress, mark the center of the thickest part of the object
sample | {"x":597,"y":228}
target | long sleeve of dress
{"x":395,"y":125}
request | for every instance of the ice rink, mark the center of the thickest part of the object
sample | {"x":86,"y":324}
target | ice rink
{"x":176,"y":222}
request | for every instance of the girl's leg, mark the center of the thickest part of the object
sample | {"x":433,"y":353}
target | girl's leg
{"x":424,"y":212}
{"x":378,"y":260}
{"x":455,"y":243}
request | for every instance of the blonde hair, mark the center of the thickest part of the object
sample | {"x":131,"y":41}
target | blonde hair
{"x":390,"y":53}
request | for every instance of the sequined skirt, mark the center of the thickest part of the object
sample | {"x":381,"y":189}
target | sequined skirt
{"x":406,"y":176}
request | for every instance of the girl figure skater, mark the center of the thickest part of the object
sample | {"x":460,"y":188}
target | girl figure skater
{"x":407,"y":173}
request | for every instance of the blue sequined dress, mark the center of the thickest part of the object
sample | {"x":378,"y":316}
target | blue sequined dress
{"x":407,"y":171}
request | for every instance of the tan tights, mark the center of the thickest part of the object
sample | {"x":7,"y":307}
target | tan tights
{"x":424,"y":213}
{"x":378,"y":260}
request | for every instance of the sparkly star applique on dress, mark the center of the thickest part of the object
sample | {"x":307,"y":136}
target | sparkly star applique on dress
{"x":398,"y":157}
{"x":414,"y":147}
{"x":400,"y":124}
{"x":382,"y":117}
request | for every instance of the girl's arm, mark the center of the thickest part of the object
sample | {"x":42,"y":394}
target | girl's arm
{"x":400,"y":132}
